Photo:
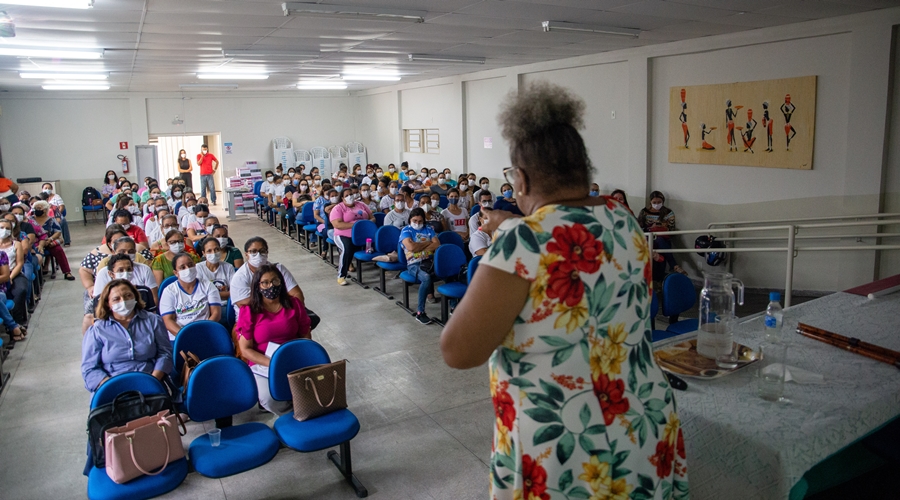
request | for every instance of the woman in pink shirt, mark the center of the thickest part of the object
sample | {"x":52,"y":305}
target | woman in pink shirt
{"x":272,"y":316}
{"x":342,"y":217}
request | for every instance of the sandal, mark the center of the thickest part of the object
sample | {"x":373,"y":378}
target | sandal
{"x":679,"y":270}
{"x":69,"y":277}
{"x":17,"y":338}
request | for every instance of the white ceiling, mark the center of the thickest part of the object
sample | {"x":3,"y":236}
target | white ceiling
{"x":155,"y":45}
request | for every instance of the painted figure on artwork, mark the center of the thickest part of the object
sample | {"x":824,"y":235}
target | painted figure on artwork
{"x":767,"y":124}
{"x":703,"y":133}
{"x":684,"y":125}
{"x":730,"y":113}
{"x":747,"y":134}
{"x":787,"y":109}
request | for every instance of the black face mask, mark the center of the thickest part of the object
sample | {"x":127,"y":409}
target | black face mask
{"x":39,"y":213}
{"x":271,"y":293}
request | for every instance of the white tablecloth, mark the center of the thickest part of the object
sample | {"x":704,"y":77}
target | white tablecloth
{"x":740,"y":446}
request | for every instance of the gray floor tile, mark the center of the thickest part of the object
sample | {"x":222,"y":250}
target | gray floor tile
{"x":472,"y":425}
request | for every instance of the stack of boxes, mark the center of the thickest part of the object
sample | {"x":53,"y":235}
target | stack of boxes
{"x":246,"y":177}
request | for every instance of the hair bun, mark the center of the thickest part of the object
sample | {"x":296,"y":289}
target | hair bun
{"x":538,"y":107}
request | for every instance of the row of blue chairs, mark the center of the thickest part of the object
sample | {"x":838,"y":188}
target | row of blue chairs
{"x":220,"y":387}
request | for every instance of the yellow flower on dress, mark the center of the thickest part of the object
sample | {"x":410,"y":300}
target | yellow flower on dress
{"x":504,"y":440}
{"x":640,"y":244}
{"x":596,"y":473}
{"x":670,"y":433}
{"x":534,"y":220}
{"x":609,"y":353}
{"x":494,"y":378}
{"x":571,"y":317}
{"x":614,"y":490}
{"x":539,"y":285}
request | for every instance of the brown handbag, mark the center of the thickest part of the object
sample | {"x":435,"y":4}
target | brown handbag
{"x":190,"y":362}
{"x":318,"y":390}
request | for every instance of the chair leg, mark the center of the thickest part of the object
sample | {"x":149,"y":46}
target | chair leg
{"x":382,"y":287}
{"x":358,"y":279}
{"x":445,"y":310}
{"x":343,"y":463}
{"x":222,"y":423}
{"x":405,"y":303}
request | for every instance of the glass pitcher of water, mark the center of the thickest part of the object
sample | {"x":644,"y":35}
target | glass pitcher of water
{"x":717,"y":302}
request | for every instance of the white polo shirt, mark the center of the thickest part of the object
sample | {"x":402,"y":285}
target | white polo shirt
{"x":243,"y":278}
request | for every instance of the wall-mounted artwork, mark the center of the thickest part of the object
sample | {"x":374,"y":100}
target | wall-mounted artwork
{"x":768,"y":123}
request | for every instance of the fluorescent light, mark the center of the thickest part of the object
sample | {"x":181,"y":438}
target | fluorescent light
{"x":605,"y":30}
{"x":323,"y":85}
{"x":208,"y":85}
{"x":372,"y":78}
{"x":66,"y":76}
{"x":347,"y":11}
{"x":440,"y":58}
{"x":232,"y":76}
{"x":63,"y":4}
{"x":51,"y":53}
{"x":287,"y":54}
{"x":74,"y":87}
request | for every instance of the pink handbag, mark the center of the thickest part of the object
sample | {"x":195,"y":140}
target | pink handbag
{"x":142,"y":445}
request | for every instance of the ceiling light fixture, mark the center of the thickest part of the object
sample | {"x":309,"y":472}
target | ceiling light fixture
{"x":549,"y":26}
{"x":74,"y":87}
{"x":322,"y":85}
{"x":372,"y":78}
{"x":65,"y":76}
{"x":440,"y":58}
{"x":232,"y":76}
{"x":286,"y":54}
{"x":45,"y":53}
{"x":62,"y":4}
{"x":348,"y":11}
{"x":208,"y":85}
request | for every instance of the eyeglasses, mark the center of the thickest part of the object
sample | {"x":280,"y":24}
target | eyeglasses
{"x":269,"y":284}
{"x":257,"y":252}
{"x":506,"y":172}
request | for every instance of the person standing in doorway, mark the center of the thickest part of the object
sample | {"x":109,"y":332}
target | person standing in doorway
{"x":208,"y":166}
{"x":185,"y":169}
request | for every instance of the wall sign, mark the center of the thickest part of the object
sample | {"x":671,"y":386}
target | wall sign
{"x":229,"y":148}
{"x":488,"y":143}
{"x":123,"y":145}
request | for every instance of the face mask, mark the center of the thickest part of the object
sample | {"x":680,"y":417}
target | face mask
{"x":400,"y":204}
{"x":4,"y":208}
{"x":303,"y":188}
{"x":453,"y":201}
{"x":417,"y":226}
{"x":434,"y":175}
{"x":318,"y":182}
{"x":4,"y":233}
{"x":188,"y":275}
{"x":223,"y":242}
{"x":486,"y":204}
{"x":124,"y":307}
{"x":40,"y":213}
{"x":279,"y":172}
{"x":48,"y":191}
{"x":656,"y":206}
{"x":291,"y":172}
{"x":270,"y":179}
{"x":393,"y":191}
{"x":295,"y":182}
{"x":124,"y":275}
{"x":507,"y":193}
{"x":463,"y":187}
{"x":131,"y":256}
{"x":213,"y":258}
{"x":349,"y":200}
{"x":364,"y":194}
{"x":111,"y":177}
{"x":334,"y":199}
{"x":154,"y":195}
{"x":442,"y":181}
{"x":209,"y":228}
{"x":594,"y":193}
{"x":271,"y":293}
{"x":183,"y":155}
{"x":134,"y":210}
{"x":485,"y":186}
{"x":166,"y":229}
{"x":391,"y":170}
{"x":338,"y":188}
{"x":204,"y":151}
{"x":176,"y":247}
{"x":258,"y":260}
{"x":20,"y":217}
{"x":379,"y":174}
{"x":176,"y":194}
{"x":426,"y":208}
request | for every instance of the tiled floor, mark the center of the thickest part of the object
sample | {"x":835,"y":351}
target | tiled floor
{"x":426,"y":428}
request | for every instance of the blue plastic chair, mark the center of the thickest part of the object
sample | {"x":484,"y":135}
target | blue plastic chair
{"x":678,"y":296}
{"x":257,"y":198}
{"x":205,"y":339}
{"x":448,"y":260}
{"x":657,"y":335}
{"x":443,"y":203}
{"x":473,"y":266}
{"x":326,"y":431}
{"x":407,"y":278}
{"x":166,"y":282}
{"x":475,"y":210}
{"x":452,"y":238}
{"x":100,"y":486}
{"x":306,"y":224}
{"x":379,"y":218}
{"x":219,"y":388}
{"x":228,"y":316}
{"x":363,"y":230}
{"x":386,"y":241}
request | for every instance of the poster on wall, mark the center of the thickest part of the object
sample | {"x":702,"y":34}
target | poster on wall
{"x":229,"y":148}
{"x":767,"y":123}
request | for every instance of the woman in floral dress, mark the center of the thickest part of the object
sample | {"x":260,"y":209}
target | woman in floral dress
{"x":560,"y":307}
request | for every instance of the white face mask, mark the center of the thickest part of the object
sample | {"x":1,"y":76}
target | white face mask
{"x":4,"y":207}
{"x":393,"y":191}
{"x":20,"y":217}
{"x":434,"y":175}
{"x":270,"y":179}
{"x":417,"y":226}
{"x":4,"y":233}
{"x":442,"y":181}
{"x":188,"y":275}
{"x":48,"y":191}
{"x":486,"y":204}
{"x":124,"y":307}
{"x":183,"y":155}
{"x":213,"y":258}
{"x":334,"y":199}
{"x":400,"y":205}
{"x":364,"y":194}
{"x":124,"y":275}
{"x":126,"y":226}
{"x":426,"y":208}
{"x":222,"y":241}
{"x":131,"y":256}
{"x":463,"y":187}
{"x":485,"y":186}
{"x":176,"y":247}
{"x":303,"y":188}
{"x":656,"y":206}
{"x":209,"y":228}
{"x":176,"y":194}
{"x":154,"y":195}
{"x":111,"y":177}
{"x":258,"y":260}
{"x":350,"y":200}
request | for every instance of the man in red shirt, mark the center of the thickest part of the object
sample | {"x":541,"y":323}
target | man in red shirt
{"x":208,"y":166}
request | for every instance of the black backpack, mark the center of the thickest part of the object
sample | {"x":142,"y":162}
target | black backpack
{"x":89,"y":195}
{"x":127,"y":406}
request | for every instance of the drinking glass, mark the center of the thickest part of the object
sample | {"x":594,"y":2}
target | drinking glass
{"x":773,"y":357}
{"x":215,"y":437}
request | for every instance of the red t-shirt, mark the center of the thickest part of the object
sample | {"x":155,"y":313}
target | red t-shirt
{"x":206,"y":163}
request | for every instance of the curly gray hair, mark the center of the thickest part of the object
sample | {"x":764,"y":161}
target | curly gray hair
{"x":541,"y":123}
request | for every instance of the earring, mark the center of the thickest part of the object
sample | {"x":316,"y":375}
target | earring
{"x":519,"y":193}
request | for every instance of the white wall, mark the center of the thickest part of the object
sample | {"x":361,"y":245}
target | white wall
{"x":482,"y":99}
{"x":378,"y":127}
{"x":440,"y":107}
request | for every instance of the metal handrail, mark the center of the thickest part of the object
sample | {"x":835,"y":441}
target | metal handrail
{"x":791,"y":249}
{"x":807,"y":219}
{"x":813,"y":237}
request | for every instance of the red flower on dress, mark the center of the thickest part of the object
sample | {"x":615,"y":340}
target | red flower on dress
{"x":679,"y":446}
{"x":534,"y":479}
{"x":611,"y":394}
{"x":504,"y":406}
{"x":565,"y":283}
{"x":577,"y":246}
{"x":663,"y":458}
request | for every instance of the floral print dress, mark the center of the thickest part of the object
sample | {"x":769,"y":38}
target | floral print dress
{"x":582,"y":410}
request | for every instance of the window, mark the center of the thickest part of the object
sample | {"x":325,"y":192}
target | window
{"x":422,"y":140}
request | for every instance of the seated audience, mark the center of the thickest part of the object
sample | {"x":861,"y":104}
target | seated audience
{"x":196,"y":227}
{"x":619,"y":196}
{"x":257,"y":255}
{"x":342,"y":217}
{"x":59,"y":209}
{"x":124,"y":338}
{"x":120,"y":266}
{"x":188,"y":299}
{"x":399,"y":216}
{"x":230,"y":254}
{"x":433,"y":217}
{"x":440,"y":186}
{"x":449,"y":178}
{"x":152,"y":225}
{"x":455,"y":218}
{"x":419,"y":241}
{"x":109,"y":184}
{"x":485,"y":203}
{"x":125,"y":219}
{"x":466,"y":200}
{"x":656,"y":218}
{"x":485,"y":184}
{"x":365,"y":197}
{"x":214,"y":269}
{"x":88,"y":270}
{"x":163,"y":265}
{"x":481,"y":239}
{"x":15,"y":284}
{"x":386,"y":203}
{"x":49,"y":236}
{"x":507,"y":202}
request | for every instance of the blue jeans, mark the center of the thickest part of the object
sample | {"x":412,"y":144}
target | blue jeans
{"x":425,"y":288}
{"x":207,"y":180}
{"x":64,"y":224}
{"x":6,"y":317}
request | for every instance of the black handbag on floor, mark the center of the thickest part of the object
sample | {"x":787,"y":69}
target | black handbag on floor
{"x":126,"y":407}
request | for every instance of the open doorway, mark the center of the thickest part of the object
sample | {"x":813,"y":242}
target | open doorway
{"x":169,"y":148}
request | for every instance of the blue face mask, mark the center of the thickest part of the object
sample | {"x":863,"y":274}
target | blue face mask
{"x":453,"y":201}
{"x":295,"y":182}
{"x":507,"y":193}
{"x":338,"y":187}
{"x":595,"y":193}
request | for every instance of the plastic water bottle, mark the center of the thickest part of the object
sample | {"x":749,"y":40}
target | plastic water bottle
{"x":774,"y":318}
{"x":369,"y":248}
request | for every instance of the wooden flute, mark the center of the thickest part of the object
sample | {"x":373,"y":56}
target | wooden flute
{"x":853,"y":345}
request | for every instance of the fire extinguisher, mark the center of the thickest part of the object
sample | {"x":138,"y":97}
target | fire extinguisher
{"x":124,"y":163}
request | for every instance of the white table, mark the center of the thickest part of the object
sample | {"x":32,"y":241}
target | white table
{"x":232,"y":193}
{"x":740,"y":446}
